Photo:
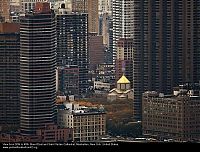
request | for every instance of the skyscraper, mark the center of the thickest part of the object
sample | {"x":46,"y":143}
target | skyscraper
{"x":90,"y":7}
{"x":72,"y":44}
{"x":123,"y":23}
{"x":9,"y":75}
{"x":166,"y":46}
{"x":5,"y":10}
{"x":96,"y":51}
{"x":124,"y":61}
{"x":93,"y":16}
{"x":37,"y":68}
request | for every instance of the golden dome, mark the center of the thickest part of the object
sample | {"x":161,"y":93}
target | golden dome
{"x":123,"y":80}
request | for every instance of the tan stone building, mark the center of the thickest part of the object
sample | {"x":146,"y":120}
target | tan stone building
{"x":5,"y":10}
{"x":88,"y":123}
{"x":175,"y":117}
{"x":90,"y":7}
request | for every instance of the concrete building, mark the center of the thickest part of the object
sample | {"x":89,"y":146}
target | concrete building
{"x":15,"y":6}
{"x":123,"y":22}
{"x":175,"y":117}
{"x":9,"y":76}
{"x":5,"y":10}
{"x":105,"y":6}
{"x":90,"y":7}
{"x":124,"y":61}
{"x":72,"y":44}
{"x":28,"y":5}
{"x":96,"y":51}
{"x":68,"y":80}
{"x":98,"y":85}
{"x":105,"y":73}
{"x":122,"y":92}
{"x":166,"y":46}
{"x":105,"y":13}
{"x":37,"y":69}
{"x":88,"y":123}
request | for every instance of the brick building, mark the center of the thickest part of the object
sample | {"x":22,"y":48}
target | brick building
{"x":175,"y":116}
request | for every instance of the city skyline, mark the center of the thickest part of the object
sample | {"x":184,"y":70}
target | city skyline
{"x":85,"y":70}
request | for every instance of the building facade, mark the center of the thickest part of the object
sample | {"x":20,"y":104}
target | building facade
{"x":37,"y":69}
{"x":28,"y":5}
{"x":72,"y":45}
{"x":166,"y":46}
{"x":51,"y":133}
{"x":105,"y":73}
{"x":89,"y":124}
{"x":90,"y":7}
{"x":9,"y":75}
{"x":123,"y":22}
{"x":5,"y":10}
{"x":124,"y":61}
{"x":175,"y":117}
{"x":68,"y":80}
{"x":96,"y":51}
{"x":98,"y":85}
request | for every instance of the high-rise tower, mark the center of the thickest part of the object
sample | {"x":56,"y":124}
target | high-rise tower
{"x":9,"y":75}
{"x":37,"y":68}
{"x":166,"y":46}
{"x":122,"y":13}
{"x":90,"y":7}
{"x":72,"y":44}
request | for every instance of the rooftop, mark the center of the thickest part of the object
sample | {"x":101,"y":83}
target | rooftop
{"x":123,"y":80}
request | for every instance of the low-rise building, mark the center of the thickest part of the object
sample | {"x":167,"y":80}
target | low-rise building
{"x":51,"y":133}
{"x":98,"y":85}
{"x":88,"y":123}
{"x":123,"y":90}
{"x":175,"y":117}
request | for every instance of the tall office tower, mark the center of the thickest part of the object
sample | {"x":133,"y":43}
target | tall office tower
{"x":105,"y":18}
{"x":122,"y":13}
{"x":166,"y":46}
{"x":96,"y":51}
{"x":72,"y":44}
{"x":105,"y":6}
{"x":28,"y":5}
{"x":90,"y":7}
{"x":9,"y":75}
{"x":196,"y":41}
{"x":37,"y":68}
{"x":5,"y":10}
{"x":124,"y":61}
{"x":109,"y":52}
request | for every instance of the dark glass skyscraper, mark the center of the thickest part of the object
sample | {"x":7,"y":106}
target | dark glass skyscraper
{"x":72,"y":44}
{"x":9,"y":76}
{"x":166,"y":46}
{"x":37,"y":68}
